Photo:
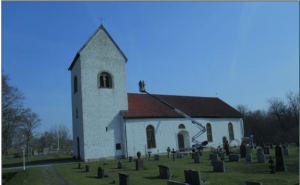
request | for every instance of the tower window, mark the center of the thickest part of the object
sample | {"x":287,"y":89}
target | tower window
{"x":118,"y":146}
{"x":209,"y":132}
{"x":181,"y":126}
{"x":104,"y":80}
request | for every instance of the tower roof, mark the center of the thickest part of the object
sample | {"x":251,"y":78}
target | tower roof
{"x":100,"y":28}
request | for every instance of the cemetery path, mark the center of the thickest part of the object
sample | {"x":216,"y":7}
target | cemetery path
{"x":51,"y":177}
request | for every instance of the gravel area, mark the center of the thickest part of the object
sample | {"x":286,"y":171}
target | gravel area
{"x":51,"y":177}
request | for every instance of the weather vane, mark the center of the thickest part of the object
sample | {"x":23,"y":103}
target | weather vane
{"x":101,"y":19}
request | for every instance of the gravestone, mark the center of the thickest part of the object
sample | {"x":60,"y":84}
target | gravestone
{"x":213,"y":156}
{"x":261,"y":156}
{"x":249,"y":158}
{"x":271,"y":145}
{"x":280,"y":162}
{"x":179,"y":155}
{"x":219,"y":166}
{"x":222,"y":156}
{"x":139,"y":164}
{"x":45,"y":151}
{"x":130,"y":159}
{"x":120,"y":165}
{"x":164,"y":171}
{"x":218,"y":153}
{"x":79,"y":166}
{"x":285,"y":150}
{"x":267,"y":150}
{"x":173,"y":152}
{"x":213,"y":161}
{"x":195,"y":154}
{"x":200,"y":153}
{"x":123,"y":179}
{"x":87,"y":168}
{"x":253,"y":183}
{"x":170,"y":182}
{"x":35,"y":152}
{"x":100,"y":172}
{"x":168,"y":150}
{"x":243,"y":151}
{"x":234,"y":157}
{"x":156,"y":157}
{"x":192,"y":177}
{"x":285,"y":144}
{"x":196,"y":159}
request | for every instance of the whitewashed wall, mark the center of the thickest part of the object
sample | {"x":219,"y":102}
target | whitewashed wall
{"x":101,"y":106}
{"x":166,"y":131}
{"x":77,"y":104}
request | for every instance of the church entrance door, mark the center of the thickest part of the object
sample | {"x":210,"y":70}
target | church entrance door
{"x":180,"y":141}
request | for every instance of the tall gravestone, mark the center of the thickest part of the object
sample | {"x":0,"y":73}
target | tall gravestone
{"x":222,"y":156}
{"x":139,"y":164}
{"x":156,"y":157}
{"x":243,"y":151}
{"x":87,"y":168}
{"x":261,"y":156}
{"x":120,"y":165}
{"x":219,"y":166}
{"x":100,"y":173}
{"x":196,"y":159}
{"x":249,"y":158}
{"x":280,"y":162}
{"x":192,"y":177}
{"x":164,"y":171}
{"x":123,"y":179}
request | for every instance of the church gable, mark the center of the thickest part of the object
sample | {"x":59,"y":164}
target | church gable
{"x":101,"y":45}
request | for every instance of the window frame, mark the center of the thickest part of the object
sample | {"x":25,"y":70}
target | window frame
{"x":230,"y":130}
{"x":181,"y":126}
{"x":150,"y":135}
{"x":209,"y":132}
{"x":105,"y":80}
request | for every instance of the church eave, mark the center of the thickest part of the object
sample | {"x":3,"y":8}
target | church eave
{"x":156,"y":117}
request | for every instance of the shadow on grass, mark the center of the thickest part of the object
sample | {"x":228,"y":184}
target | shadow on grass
{"x":39,"y":162}
{"x":93,"y":177}
{"x":82,"y":171}
{"x":152,"y":178}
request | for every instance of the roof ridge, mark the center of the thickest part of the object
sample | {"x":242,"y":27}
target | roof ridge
{"x":175,"y":95}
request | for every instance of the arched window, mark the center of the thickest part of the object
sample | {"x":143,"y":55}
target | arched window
{"x":209,"y":132}
{"x":230,"y":129}
{"x":104,"y":80}
{"x":181,"y":126}
{"x":75,"y":84}
{"x":150,"y":136}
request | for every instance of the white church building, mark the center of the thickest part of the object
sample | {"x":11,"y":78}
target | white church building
{"x":110,"y":123}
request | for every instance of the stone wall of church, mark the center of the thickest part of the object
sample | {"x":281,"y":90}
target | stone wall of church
{"x":101,"y":106}
{"x":166,"y":131}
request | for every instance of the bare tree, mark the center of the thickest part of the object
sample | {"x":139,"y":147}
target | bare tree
{"x":279,"y":109}
{"x":61,"y":134}
{"x":293,"y":104}
{"x":30,"y":122}
{"x":242,"y":109}
{"x":12,"y":112}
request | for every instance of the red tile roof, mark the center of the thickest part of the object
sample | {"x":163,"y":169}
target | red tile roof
{"x":145,"y":106}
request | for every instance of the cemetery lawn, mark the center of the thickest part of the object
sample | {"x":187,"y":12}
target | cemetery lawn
{"x":237,"y":173}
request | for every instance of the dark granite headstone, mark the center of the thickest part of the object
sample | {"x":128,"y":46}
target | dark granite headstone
{"x":79,"y":166}
{"x":192,"y":177}
{"x":196,"y":159}
{"x":243,"y":151}
{"x":219,"y":166}
{"x":213,"y":156}
{"x":195,"y":154}
{"x":164,"y":171}
{"x":280,"y":162}
{"x":87,"y":168}
{"x":156,"y":157}
{"x":120,"y":165}
{"x":234,"y":157}
{"x":253,"y":183}
{"x":123,"y":179}
{"x":100,"y":172}
{"x":271,"y":145}
{"x":222,"y":156}
{"x":179,"y":155}
{"x":170,"y":182}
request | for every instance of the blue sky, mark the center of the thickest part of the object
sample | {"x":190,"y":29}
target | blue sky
{"x":241,"y":52}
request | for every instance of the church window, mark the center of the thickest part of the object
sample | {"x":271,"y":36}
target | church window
{"x":181,"y":126}
{"x":209,"y":132}
{"x":230,"y":129}
{"x":118,"y":146}
{"x":150,"y":136}
{"x":75,"y":84}
{"x":105,"y":80}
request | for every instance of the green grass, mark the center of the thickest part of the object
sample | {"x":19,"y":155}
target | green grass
{"x":25,"y":177}
{"x":237,"y":173}
{"x":34,"y":158}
